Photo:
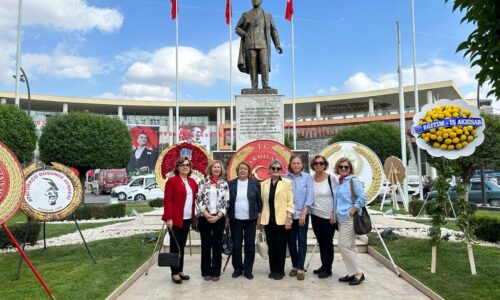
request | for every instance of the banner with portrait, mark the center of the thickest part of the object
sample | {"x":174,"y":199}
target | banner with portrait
{"x":195,"y":134}
{"x":145,"y":144}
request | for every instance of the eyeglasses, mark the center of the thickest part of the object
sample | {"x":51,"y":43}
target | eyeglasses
{"x":344,"y":167}
{"x":276,"y":168}
{"x":318,"y":163}
{"x":184,"y":165}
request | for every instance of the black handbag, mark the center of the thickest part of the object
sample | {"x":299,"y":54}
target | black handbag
{"x":169,"y":259}
{"x":362,"y":224}
{"x":227,"y":243}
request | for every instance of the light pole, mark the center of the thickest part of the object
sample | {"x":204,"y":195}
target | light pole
{"x":24,"y":78}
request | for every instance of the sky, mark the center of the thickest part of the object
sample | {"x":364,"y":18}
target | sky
{"x":125,"y":49}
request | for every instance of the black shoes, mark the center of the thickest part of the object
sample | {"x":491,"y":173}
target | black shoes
{"x":248,"y":276}
{"x":317,"y":271}
{"x":271,"y":275}
{"x":346,"y":278}
{"x":279,"y":276}
{"x":356,"y":281}
{"x":184,"y":277}
{"x":324,"y":274}
{"x":236,"y":274}
{"x":176,"y":281}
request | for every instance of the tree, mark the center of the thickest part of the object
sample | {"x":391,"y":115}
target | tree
{"x":17,"y":131}
{"x":85,"y":141}
{"x":382,"y":138}
{"x":483,"y":44}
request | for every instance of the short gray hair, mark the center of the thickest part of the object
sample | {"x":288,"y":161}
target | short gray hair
{"x":275,"y":161}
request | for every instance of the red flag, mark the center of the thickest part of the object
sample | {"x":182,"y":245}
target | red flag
{"x":289,"y":10}
{"x":229,"y":11}
{"x":173,"y":13}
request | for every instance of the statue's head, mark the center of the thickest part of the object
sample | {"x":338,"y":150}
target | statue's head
{"x":256,"y":3}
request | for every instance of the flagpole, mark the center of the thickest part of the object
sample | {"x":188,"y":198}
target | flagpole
{"x":18,"y":53}
{"x":402,"y":115}
{"x":415,"y":90}
{"x":231,"y":71}
{"x":293,"y":88}
{"x":177,"y":119}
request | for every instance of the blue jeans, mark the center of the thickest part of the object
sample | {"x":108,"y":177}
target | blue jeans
{"x":298,"y":250}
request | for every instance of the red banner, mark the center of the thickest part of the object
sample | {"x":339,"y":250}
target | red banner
{"x":289,"y":10}
{"x":173,"y":13}
{"x":229,"y":11}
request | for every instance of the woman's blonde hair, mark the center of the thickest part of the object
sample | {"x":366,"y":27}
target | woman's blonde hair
{"x":211,"y":163}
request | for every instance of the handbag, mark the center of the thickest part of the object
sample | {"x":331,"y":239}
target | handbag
{"x":261,"y":245}
{"x":169,"y":259}
{"x":362,"y":224}
{"x":194,"y":224}
{"x":227,"y":243}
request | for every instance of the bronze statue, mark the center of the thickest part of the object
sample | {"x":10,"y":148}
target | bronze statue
{"x":256,"y":29}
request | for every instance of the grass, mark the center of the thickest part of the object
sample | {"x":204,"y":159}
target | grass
{"x":54,"y":230}
{"x":401,"y":211}
{"x":69,"y":273}
{"x":139,"y":207}
{"x":452,"y":279}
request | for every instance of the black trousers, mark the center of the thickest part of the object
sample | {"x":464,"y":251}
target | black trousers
{"x":243,"y":230}
{"x":324,"y":232}
{"x":211,"y":246}
{"x":181,"y":236}
{"x":276,"y":240}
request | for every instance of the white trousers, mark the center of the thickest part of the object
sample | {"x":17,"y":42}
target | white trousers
{"x":347,"y":247}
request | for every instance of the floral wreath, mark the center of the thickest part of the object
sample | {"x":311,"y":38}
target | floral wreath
{"x":164,"y":168}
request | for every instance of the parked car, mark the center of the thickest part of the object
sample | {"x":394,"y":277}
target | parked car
{"x":106,"y":179}
{"x":149,"y":192}
{"x":135,"y":183}
{"x":475,"y":194}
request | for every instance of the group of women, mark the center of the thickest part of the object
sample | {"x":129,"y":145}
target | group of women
{"x":280,"y":206}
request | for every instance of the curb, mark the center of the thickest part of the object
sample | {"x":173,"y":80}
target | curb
{"x":133,"y":278}
{"x":407,"y":277}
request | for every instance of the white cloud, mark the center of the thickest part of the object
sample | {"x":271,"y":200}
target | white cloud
{"x":432,"y":71}
{"x":152,"y":76}
{"x":63,"y":15}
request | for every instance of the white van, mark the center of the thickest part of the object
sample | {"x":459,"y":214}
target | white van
{"x":134,"y":184}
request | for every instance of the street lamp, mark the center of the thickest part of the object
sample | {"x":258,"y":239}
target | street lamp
{"x":24,"y":78}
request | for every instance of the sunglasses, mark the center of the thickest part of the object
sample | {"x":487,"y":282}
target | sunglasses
{"x":318,"y":163}
{"x":276,"y":168}
{"x":344,"y":167}
{"x":184,"y":165}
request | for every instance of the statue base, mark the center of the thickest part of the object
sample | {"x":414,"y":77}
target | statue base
{"x":259,"y":91}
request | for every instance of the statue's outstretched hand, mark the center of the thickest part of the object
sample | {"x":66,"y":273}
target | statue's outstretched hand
{"x":279,"y":49}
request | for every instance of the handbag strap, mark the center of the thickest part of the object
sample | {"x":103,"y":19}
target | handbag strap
{"x":353,"y":196}
{"x":173,"y":235}
{"x":330,"y":184}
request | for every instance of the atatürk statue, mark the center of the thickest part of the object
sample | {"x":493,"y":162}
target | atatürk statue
{"x":256,"y":29}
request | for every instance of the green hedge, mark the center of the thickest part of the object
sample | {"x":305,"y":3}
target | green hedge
{"x":158,"y":202}
{"x":87,"y":212}
{"x":414,"y":206}
{"x":487,"y":229}
{"x":19,"y":231}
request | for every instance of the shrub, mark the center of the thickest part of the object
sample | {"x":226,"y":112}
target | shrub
{"x":158,"y":202}
{"x":98,"y":211}
{"x":82,"y":212}
{"x":471,"y":208}
{"x":19,"y":231}
{"x":487,"y":229}
{"x":17,"y":131}
{"x":414,"y":206}
{"x":115,"y":210}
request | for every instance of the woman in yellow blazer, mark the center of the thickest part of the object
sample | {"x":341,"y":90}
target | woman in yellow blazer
{"x":277,"y":212}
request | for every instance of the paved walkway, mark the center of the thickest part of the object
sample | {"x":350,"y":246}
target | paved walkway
{"x":380,"y":283}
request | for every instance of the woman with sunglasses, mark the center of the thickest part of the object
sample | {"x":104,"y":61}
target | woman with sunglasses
{"x":212,"y":203}
{"x":277,"y":212}
{"x":322,"y":214}
{"x":349,"y":199}
{"x":178,"y":211}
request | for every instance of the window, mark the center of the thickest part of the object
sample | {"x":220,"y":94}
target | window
{"x":137,"y":182}
{"x":475,"y":186}
{"x":150,"y":181}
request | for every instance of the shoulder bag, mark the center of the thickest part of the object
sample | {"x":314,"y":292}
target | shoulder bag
{"x":362,"y":224}
{"x":261,"y":244}
{"x":169,"y":259}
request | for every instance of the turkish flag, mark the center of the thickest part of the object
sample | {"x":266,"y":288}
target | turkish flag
{"x":229,"y":11}
{"x":173,"y":13}
{"x":289,"y":10}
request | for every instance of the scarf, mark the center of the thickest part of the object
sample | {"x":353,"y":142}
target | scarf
{"x":214,"y":180}
{"x":341,"y":179}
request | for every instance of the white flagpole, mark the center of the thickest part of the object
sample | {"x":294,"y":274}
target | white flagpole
{"x":415,"y":89}
{"x":402,"y":114}
{"x":231,"y":71}
{"x":177,"y":119}
{"x":293,"y":88}
{"x":18,"y":54}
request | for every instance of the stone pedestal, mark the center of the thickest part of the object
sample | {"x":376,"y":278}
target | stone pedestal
{"x":259,"y":117}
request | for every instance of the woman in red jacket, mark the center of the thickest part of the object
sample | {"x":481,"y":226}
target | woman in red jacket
{"x":178,"y":207}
